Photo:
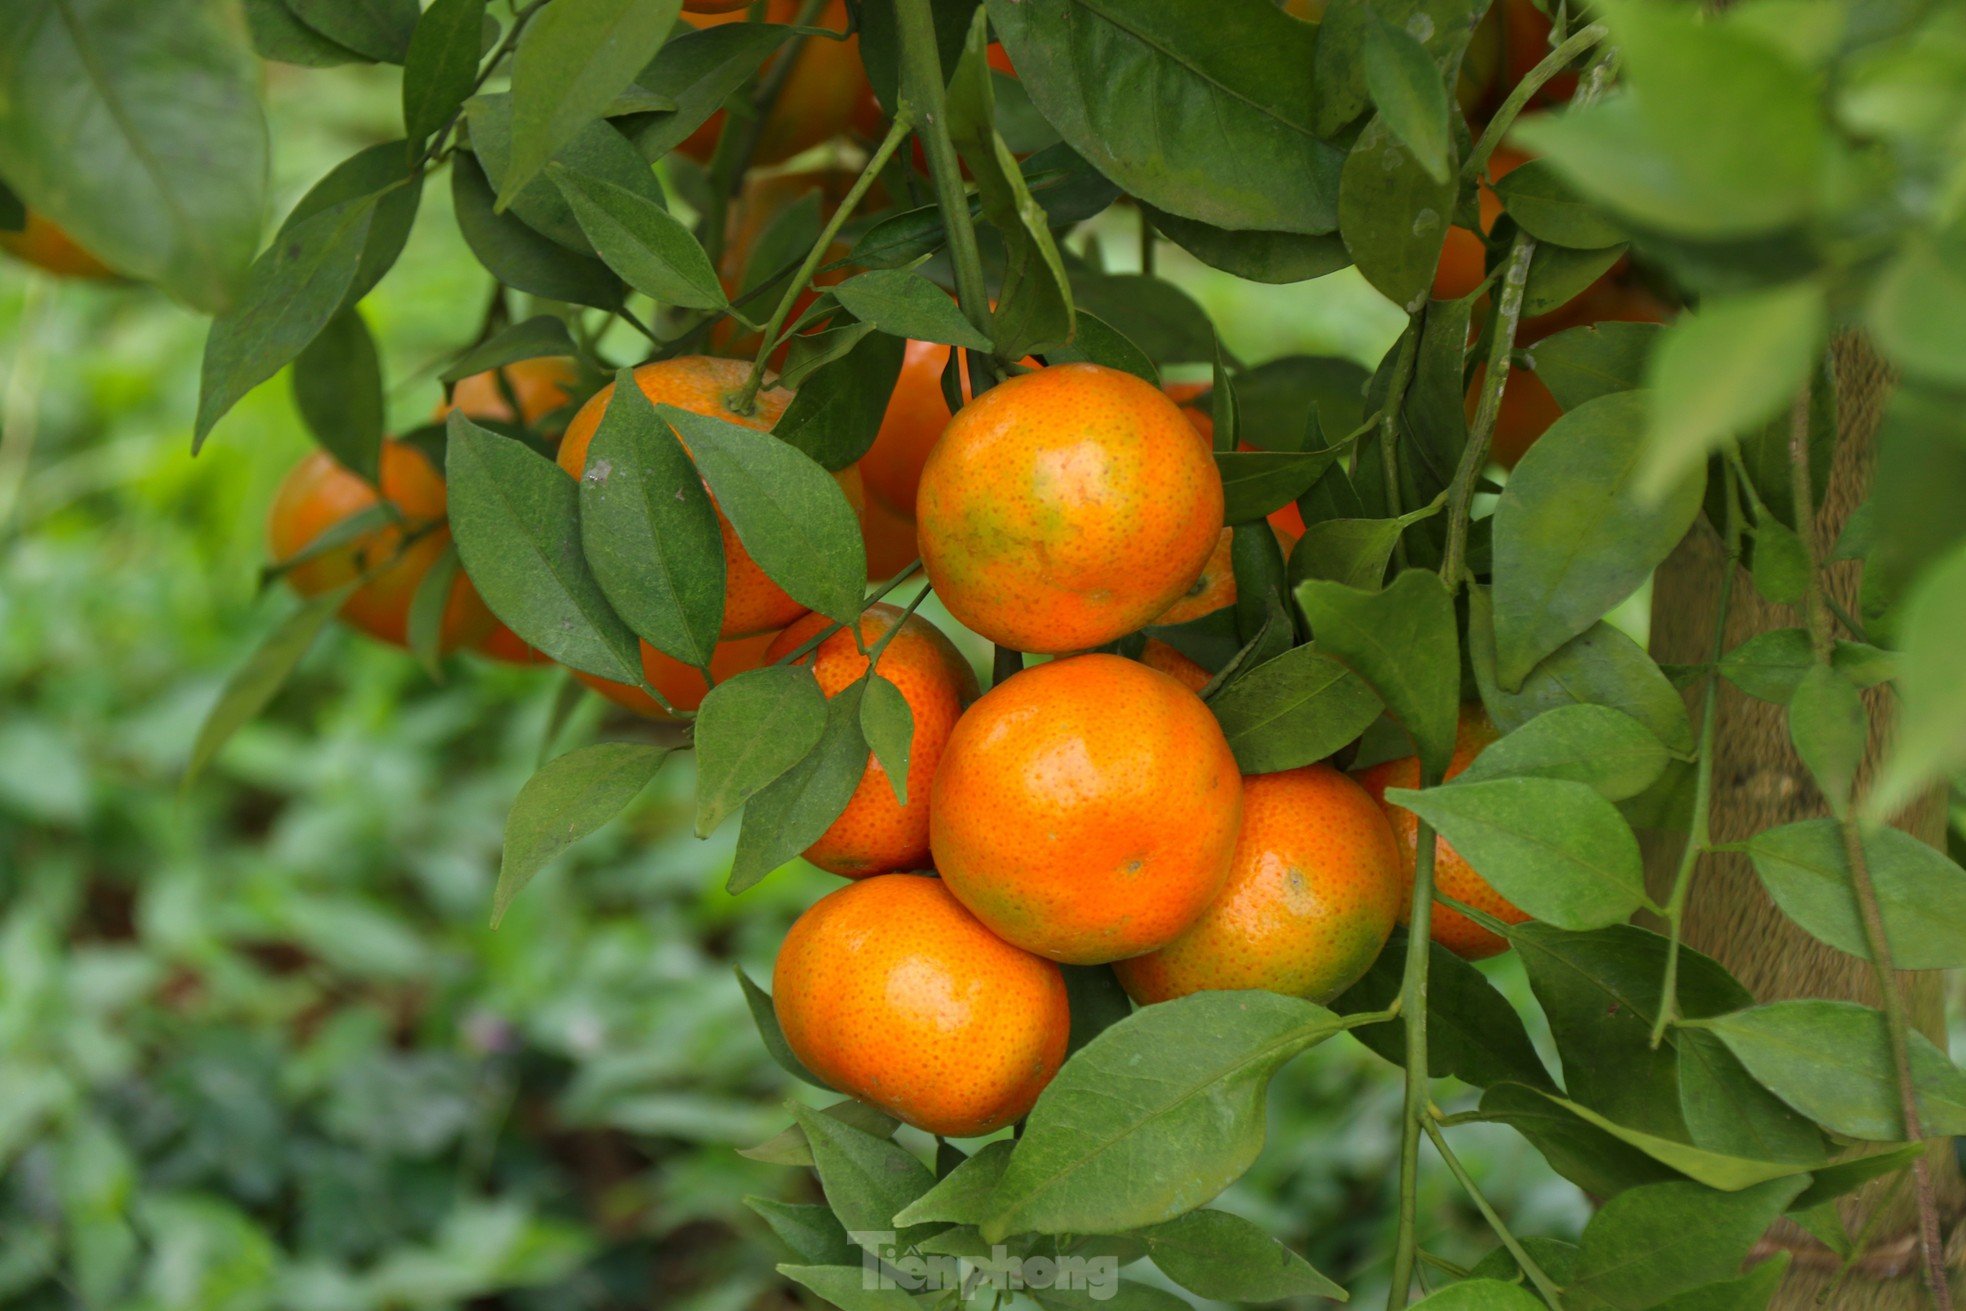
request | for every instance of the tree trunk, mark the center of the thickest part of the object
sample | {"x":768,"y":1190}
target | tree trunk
{"x":1757,"y":783}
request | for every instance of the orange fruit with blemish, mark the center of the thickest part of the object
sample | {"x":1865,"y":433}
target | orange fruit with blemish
{"x":1452,"y":874}
{"x":1157,"y":654}
{"x":319,"y":493}
{"x":1086,"y":809}
{"x":540,"y":386}
{"x":1312,"y":895}
{"x":702,"y":384}
{"x":878,"y":832}
{"x":1066,"y":507}
{"x":681,"y":684}
{"x":890,"y":991}
{"x":825,"y":96}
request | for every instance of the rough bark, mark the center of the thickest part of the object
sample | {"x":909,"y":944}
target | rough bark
{"x":1758,"y":782}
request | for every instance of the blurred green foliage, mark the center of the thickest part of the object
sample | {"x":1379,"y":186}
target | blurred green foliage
{"x":258,"y":1046}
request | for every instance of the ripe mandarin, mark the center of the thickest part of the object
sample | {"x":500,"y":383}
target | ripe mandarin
{"x":540,"y":386}
{"x":917,"y":414}
{"x":1157,"y":654}
{"x":319,"y":493}
{"x":700,"y":384}
{"x":876,"y":833}
{"x":891,"y":992}
{"x":1067,"y":507}
{"x":1452,"y":875}
{"x":1086,"y":809}
{"x":1311,"y":897}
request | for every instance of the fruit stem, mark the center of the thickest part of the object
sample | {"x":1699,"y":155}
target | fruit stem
{"x":1413,"y":1010}
{"x":1474,"y":456}
{"x":923,"y":97}
{"x":1548,"y":1287}
{"x":744,"y":400}
{"x":1518,"y":98}
{"x":1699,"y":835}
{"x":1876,"y":942}
{"x":811,"y":644}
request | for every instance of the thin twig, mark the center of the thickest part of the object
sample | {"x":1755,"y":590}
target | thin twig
{"x":1474,"y":456}
{"x":1552,"y":1293}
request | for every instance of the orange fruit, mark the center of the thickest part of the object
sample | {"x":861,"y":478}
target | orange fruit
{"x":1288,"y":520}
{"x":1157,"y":654}
{"x":826,"y":95}
{"x":506,"y":646}
{"x":1215,"y":588}
{"x":541,"y":386}
{"x":701,"y":384}
{"x":47,"y":247}
{"x":916,"y":415}
{"x":1310,"y":901}
{"x":682,"y":684}
{"x":319,"y":493}
{"x":1086,"y":809}
{"x":1452,"y":875}
{"x":1066,"y":507}
{"x":876,"y":833}
{"x":891,"y":992}
{"x":889,"y":538}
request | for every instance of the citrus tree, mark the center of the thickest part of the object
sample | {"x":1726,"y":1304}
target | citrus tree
{"x":1308,"y":690}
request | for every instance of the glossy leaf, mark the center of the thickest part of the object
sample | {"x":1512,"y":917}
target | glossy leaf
{"x":1255,"y":483}
{"x":567,"y":799}
{"x":1921,"y":894}
{"x":748,"y":732}
{"x":1095,"y":341}
{"x":838,"y":408}
{"x":641,"y":241}
{"x":908,"y":305}
{"x":1293,"y":710}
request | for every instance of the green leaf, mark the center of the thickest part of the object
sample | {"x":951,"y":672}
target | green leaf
{"x":1921,"y":894}
{"x":516,"y":518}
{"x":1731,"y":365}
{"x":765,"y":1016}
{"x":1781,"y":562}
{"x":699,"y":70}
{"x":1097,"y":1002}
{"x":1224,"y":1257}
{"x":1354,"y":552}
{"x":808,"y":1229}
{"x":1594,"y":1160}
{"x":1095,"y":341}
{"x":277,"y":35}
{"x":1931,"y":729}
{"x":375,"y":29}
{"x":1210,"y":121}
{"x":1605,"y":749}
{"x":1403,"y":643}
{"x":1293,"y":710}
{"x":790,"y":813}
{"x":381,"y":172}
{"x":576,"y":56}
{"x":889,"y":728}
{"x":789,"y":513}
{"x":641,"y":241}
{"x":846,"y":1287}
{"x":868,"y":1179}
{"x":1473,"y":1033}
{"x":907,"y":305}
{"x":1480,"y":1295}
{"x":837,"y":411}
{"x":963,"y":1195}
{"x":1556,"y":849}
{"x":1751,"y":1292}
{"x":1164,"y":321}
{"x":1770,"y":665}
{"x":1830,"y":731}
{"x":748,"y":732}
{"x":1255,"y":483}
{"x":1661,"y":1239}
{"x":138,"y":130}
{"x":1407,"y":90}
{"x":539,"y":337}
{"x":1393,"y":215}
{"x":441,"y":64}
{"x":253,"y":685}
{"x":1727,"y":1111}
{"x":338,"y":390}
{"x":517,"y":255}
{"x":649,"y":532}
{"x":598,"y":152}
{"x":1914,"y":309}
{"x":789,"y":1145}
{"x":1573,"y":537}
{"x":1270,"y":257}
{"x":1783,"y":1045}
{"x":1584,"y":363}
{"x":1650,"y":152}
{"x":1153,"y":1117}
{"x":1559,"y":274}
{"x":1537,"y":199}
{"x":291,"y":293}
{"x":1852,"y":1172}
{"x":570,"y":797}
{"x":424,"y":625}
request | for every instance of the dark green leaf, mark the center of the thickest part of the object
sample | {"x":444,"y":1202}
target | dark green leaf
{"x":789,"y":1146}
{"x":963,"y":1195}
{"x":375,"y":29}
{"x":1480,"y":1295}
{"x":699,"y":70}
{"x":1559,"y":274}
{"x":424,"y":625}
{"x":1354,"y":552}
{"x":765,"y":1016}
{"x":1921,"y":894}
{"x":749,"y":731}
{"x":1097,"y":342}
{"x":868,"y":1179}
{"x":1750,"y":1292}
{"x":809,"y":1229}
{"x":338,"y":389}
{"x":1164,"y":321}
{"x":1537,"y":199}
{"x":567,"y":799}
{"x":1225,"y":1257}
{"x":1853,"y":1171}
{"x":598,"y":152}
{"x":1394,"y":216}
{"x":1830,"y":731}
{"x":1661,"y":1239}
{"x":1412,"y":101}
{"x":539,"y":337}
{"x":278,"y":35}
{"x":1293,"y":710}
{"x":641,"y":241}
{"x":441,"y":64}
{"x":1155,"y":1116}
{"x":1403,"y":643}
{"x":649,"y":532}
{"x":789,"y":814}
{"x":253,"y":685}
{"x":845,"y":1286}
{"x":516,"y":518}
{"x":1097,"y":1001}
{"x":1271,"y":257}
{"x":838,"y":408}
{"x":517,"y":255}
{"x":1254,"y":483}
{"x":1581,"y":364}
{"x":1594,"y":1160}
{"x":1572,"y":535}
{"x":1770,"y":665}
{"x":382,"y":172}
{"x":908,"y":305}
{"x":789,"y":513}
{"x":888,"y":725}
{"x":1591,"y":744}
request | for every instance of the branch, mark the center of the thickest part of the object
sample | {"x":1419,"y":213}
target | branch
{"x":1474,"y":456}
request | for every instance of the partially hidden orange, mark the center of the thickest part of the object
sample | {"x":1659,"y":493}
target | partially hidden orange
{"x":890,"y":991}
{"x":682,"y":685}
{"x":825,"y":96}
{"x":47,"y":247}
{"x":1086,"y":809}
{"x":878,"y":832}
{"x":1311,"y":898}
{"x":540,"y":386}
{"x":1288,"y":520}
{"x":1067,"y":507}
{"x":1157,"y":654}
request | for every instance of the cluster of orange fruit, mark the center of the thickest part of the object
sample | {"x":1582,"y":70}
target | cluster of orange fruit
{"x":1086,"y":810}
